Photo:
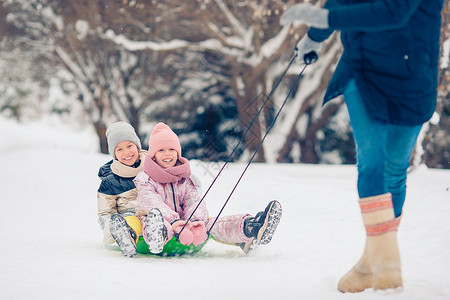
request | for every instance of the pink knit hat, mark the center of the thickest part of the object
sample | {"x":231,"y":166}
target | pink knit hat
{"x":163,"y":137}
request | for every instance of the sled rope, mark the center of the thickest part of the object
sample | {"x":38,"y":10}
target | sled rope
{"x":259,"y":145}
{"x":242,"y":138}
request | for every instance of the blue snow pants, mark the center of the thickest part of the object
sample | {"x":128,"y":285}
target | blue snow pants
{"x":383,"y":151}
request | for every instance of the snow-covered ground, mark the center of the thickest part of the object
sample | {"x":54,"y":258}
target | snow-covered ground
{"x":51,"y":248}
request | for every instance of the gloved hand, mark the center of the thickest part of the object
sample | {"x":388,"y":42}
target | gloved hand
{"x":186,"y":237}
{"x":306,"y":13}
{"x":199,"y":230}
{"x":304,"y":47}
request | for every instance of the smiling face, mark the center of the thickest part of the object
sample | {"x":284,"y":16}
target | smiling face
{"x":127,"y":153}
{"x":166,"y":157}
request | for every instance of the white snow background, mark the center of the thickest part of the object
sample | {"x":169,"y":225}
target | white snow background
{"x":51,"y":245}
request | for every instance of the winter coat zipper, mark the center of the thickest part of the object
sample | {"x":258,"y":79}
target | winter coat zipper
{"x":173,"y":196}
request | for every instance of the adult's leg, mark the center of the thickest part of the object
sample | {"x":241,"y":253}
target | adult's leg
{"x":400,"y":144}
{"x":381,"y":246}
{"x":370,"y":138}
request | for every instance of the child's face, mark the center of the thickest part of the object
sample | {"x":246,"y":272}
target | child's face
{"x":127,"y":153}
{"x":166,"y":157}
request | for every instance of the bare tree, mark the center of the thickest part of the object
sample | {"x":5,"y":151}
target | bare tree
{"x":257,"y":49}
{"x":246,"y":34}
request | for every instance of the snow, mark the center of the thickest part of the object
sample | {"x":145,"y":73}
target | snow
{"x":82,"y":27}
{"x":136,"y":46}
{"x":51,"y":246}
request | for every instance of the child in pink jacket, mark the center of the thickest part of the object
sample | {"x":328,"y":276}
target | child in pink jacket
{"x":168,"y":194}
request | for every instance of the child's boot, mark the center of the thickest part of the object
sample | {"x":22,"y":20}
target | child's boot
{"x":124,"y":235}
{"x":359,"y":277}
{"x":155,"y":231}
{"x":381,"y":238}
{"x":262,"y":226}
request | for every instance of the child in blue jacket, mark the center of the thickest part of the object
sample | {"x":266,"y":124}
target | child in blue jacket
{"x":117,"y":194}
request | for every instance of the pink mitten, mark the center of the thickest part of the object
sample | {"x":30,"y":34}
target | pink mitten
{"x":199,"y":231}
{"x":186,"y":237}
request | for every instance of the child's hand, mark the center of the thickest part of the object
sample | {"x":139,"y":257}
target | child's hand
{"x":186,"y":237}
{"x":177,"y":225}
{"x":199,"y":231}
{"x":195,"y":223}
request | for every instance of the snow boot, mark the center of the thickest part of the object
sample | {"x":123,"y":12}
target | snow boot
{"x":381,"y":241}
{"x":262,"y":226}
{"x":359,"y":277}
{"x":123,"y":234}
{"x":155,"y":231}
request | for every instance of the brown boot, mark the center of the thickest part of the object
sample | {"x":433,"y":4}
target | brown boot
{"x":360,"y":276}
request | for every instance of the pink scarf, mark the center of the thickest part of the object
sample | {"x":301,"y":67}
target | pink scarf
{"x":167,"y":175}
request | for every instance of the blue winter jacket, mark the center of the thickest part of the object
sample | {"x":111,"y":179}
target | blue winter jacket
{"x":391,"y":49}
{"x":113,"y":184}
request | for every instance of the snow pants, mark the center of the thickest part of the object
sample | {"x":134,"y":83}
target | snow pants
{"x":383,"y":151}
{"x":229,"y":229}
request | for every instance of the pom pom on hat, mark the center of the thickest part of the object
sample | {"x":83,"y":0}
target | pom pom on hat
{"x":163,"y":137}
{"x":120,"y":132}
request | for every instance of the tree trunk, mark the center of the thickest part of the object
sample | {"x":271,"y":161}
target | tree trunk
{"x":307,"y":148}
{"x":100,"y":129}
{"x":309,"y":143}
{"x":248,"y":103}
{"x":3,"y":24}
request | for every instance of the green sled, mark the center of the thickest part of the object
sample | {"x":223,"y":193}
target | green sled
{"x":172,"y":248}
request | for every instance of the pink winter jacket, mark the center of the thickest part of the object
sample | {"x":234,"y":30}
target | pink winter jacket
{"x":173,"y":191}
